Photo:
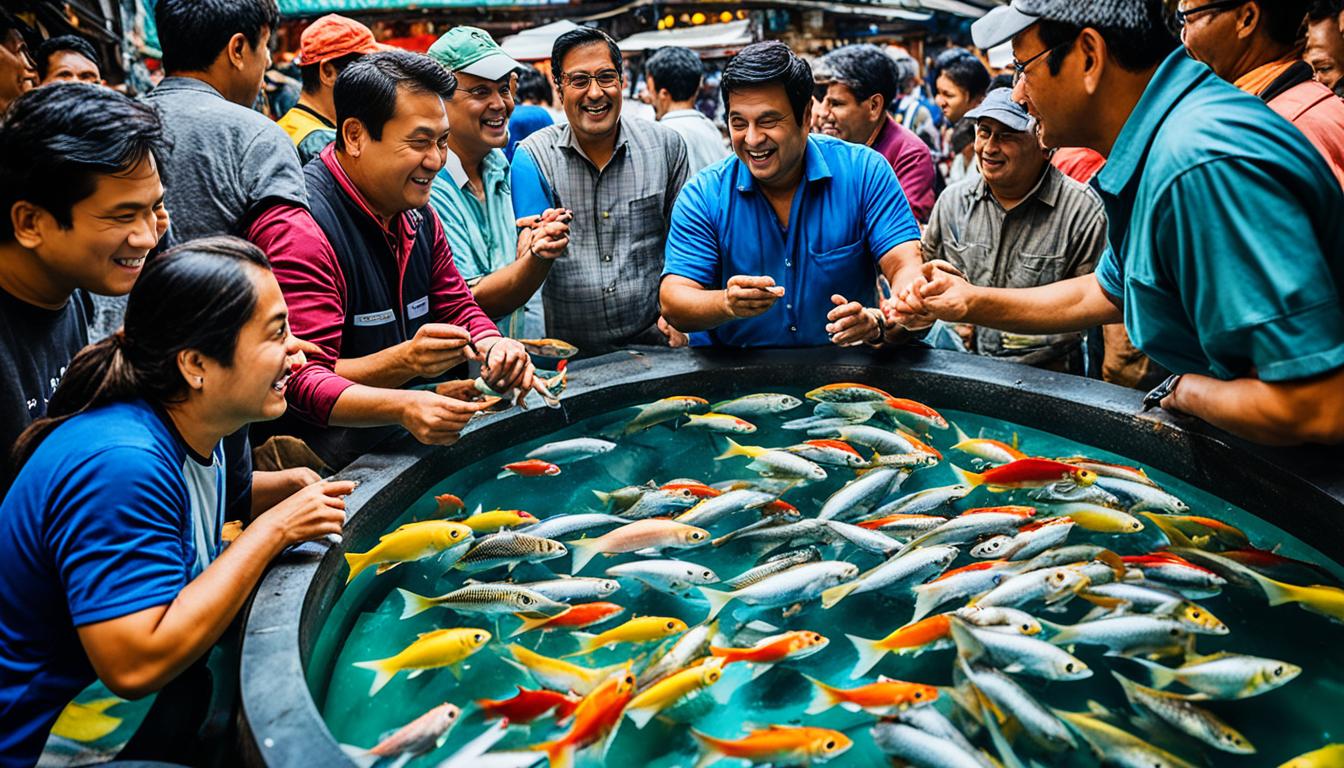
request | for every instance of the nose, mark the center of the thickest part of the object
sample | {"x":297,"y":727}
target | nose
{"x":145,"y":233}
{"x":1020,"y":90}
{"x":591,"y":85}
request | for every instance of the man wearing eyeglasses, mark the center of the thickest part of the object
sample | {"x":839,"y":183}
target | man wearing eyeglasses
{"x":1258,"y":46}
{"x":1226,"y":247}
{"x":18,"y":71}
{"x":620,"y":176}
{"x":503,"y":261}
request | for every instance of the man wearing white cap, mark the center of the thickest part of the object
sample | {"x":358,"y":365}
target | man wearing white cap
{"x":1226,"y":247}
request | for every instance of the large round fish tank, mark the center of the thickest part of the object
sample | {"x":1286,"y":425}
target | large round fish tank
{"x":302,"y":612}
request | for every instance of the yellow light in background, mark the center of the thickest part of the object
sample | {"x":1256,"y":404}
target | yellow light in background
{"x":726,"y":16}
{"x":662,"y":24}
{"x":698,"y":18}
{"x":669,"y":20}
{"x":741,"y":15}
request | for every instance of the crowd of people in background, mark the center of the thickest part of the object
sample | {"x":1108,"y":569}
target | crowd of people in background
{"x":1113,"y":192}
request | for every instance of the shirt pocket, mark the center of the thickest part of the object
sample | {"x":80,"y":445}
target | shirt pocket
{"x":1030,"y":270}
{"x":646,"y":228}
{"x":972,"y":259}
{"x":847,"y":270}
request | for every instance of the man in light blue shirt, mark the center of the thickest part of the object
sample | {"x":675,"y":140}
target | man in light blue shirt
{"x":781,"y":246}
{"x":1226,"y":256}
{"x":471,"y":194}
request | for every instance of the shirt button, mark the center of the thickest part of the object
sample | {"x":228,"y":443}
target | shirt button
{"x":793,"y":328}
{"x":788,"y":263}
{"x":788,"y":306}
{"x":607,"y":257}
{"x":606,"y":214}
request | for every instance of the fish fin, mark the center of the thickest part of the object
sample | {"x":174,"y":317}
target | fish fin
{"x":1159,"y":675}
{"x":529,"y":624}
{"x":718,"y":600}
{"x":823,"y":698}
{"x":967,"y":477}
{"x":640,"y":716}
{"x":454,"y":669}
{"x":582,"y":550}
{"x":832,"y":597}
{"x":357,"y":561}
{"x":925,"y":601}
{"x":869,"y":655}
{"x":711,"y":749}
{"x":959,"y":436}
{"x":385,"y":567}
{"x":1174,"y":536}
{"x":415,"y":673}
{"x":734,"y":449}
{"x":760,"y":669}
{"x":382,"y":673}
{"x":414,"y":604}
{"x":1278,"y":592}
{"x":603,"y":497}
{"x":968,"y":646}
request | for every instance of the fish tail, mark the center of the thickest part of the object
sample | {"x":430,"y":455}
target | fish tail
{"x":1277,"y":592}
{"x":1160,"y":676}
{"x":530,"y":624}
{"x":603,"y":497}
{"x":831,"y":597}
{"x":383,"y":672}
{"x":823,"y":699}
{"x":357,"y":561}
{"x":729,"y":655}
{"x":711,"y":748}
{"x":641,"y":715}
{"x":925,"y":601}
{"x":967,"y":477}
{"x":718,"y":599}
{"x":961,"y":437}
{"x":735,"y":450}
{"x":582,"y":551}
{"x":968,"y":645}
{"x":559,"y":753}
{"x":414,"y":604}
{"x":870,"y":653}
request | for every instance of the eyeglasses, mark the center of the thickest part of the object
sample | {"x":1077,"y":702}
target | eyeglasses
{"x":581,"y":81}
{"x":1020,"y":68}
{"x":1183,"y":17}
{"x":483,"y":92}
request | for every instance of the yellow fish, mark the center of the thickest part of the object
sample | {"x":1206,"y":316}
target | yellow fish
{"x":672,"y":689}
{"x":1329,"y":756}
{"x":495,"y":519}
{"x":638,"y":630}
{"x":1325,"y":600}
{"x":413,"y":541}
{"x":557,"y":674}
{"x":87,"y":721}
{"x":431,"y":650}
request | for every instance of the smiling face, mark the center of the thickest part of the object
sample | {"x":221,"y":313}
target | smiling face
{"x":1058,"y":101}
{"x":594,"y":111}
{"x":252,"y":387}
{"x":1009,"y":160}
{"x":766,"y":136}
{"x":394,"y":172}
{"x":18,"y":71}
{"x":841,"y":114}
{"x":479,"y":113}
{"x":954,"y":100}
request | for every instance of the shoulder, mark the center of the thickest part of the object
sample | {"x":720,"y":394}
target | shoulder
{"x":1074,"y":193}
{"x":126,"y":439}
{"x":842,"y":155}
{"x":547,"y":136}
{"x":711,"y":184}
{"x":652,"y":134}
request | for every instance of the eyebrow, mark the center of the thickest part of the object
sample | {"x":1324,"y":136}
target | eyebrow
{"x":131,"y":205}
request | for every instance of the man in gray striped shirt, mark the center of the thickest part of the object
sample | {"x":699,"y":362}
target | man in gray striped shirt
{"x":620,"y":176}
{"x":1021,"y":224}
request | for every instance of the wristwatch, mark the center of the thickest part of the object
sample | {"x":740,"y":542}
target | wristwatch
{"x":1161,"y":392}
{"x":881,"y":327}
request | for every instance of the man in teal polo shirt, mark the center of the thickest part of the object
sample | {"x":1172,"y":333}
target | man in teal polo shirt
{"x":503,"y":261}
{"x":1226,"y":253}
{"x":781,"y":246}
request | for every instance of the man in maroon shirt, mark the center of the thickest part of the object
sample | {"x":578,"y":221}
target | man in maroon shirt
{"x":370,"y":279}
{"x":855,"y":86}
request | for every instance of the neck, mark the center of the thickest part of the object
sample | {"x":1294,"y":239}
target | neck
{"x":877,"y":128}
{"x":1261,"y":51}
{"x":599,"y":149}
{"x":674,"y":106}
{"x":25,"y":277}
{"x":1011,"y":195}
{"x":215,"y":79}
{"x":471,"y":157}
{"x":320,"y":103}
{"x":1112,"y":112}
{"x":784,"y":188}
{"x":201,"y":427}
{"x":352,"y":168}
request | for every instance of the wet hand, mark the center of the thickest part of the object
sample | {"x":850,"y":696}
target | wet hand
{"x":850,"y":324}
{"x":675,"y":339}
{"x":436,"y":420}
{"x":505,"y":364}
{"x":316,"y":511}
{"x":748,"y":296}
{"x":437,"y":347}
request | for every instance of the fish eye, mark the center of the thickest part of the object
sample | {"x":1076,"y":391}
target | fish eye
{"x":478,"y":637}
{"x":671,"y":625}
{"x":918,"y":695}
{"x":1026,"y":629}
{"x":1069,"y":667}
{"x":830,"y":745}
{"x":708,"y":575}
{"x":1278,"y":671}
{"x":525,"y":600}
{"x":696,"y":535}
{"x":454,"y":534}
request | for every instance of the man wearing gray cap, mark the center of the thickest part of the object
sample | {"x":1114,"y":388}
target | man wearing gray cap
{"x":1226,"y":247}
{"x":1020,"y":224}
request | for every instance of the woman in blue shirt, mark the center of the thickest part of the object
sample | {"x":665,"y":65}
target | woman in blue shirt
{"x":110,"y":553}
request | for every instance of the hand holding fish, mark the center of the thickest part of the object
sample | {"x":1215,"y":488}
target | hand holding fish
{"x":748,"y":296}
{"x":505,"y":365}
{"x":434,"y":419}
{"x":851,"y":324}
{"x":436,"y":347}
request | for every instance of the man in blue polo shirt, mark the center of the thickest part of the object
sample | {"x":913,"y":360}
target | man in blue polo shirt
{"x":1226,"y":255}
{"x":781,"y":245}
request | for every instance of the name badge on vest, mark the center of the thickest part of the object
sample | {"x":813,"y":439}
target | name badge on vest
{"x":376,"y":318}
{"x":417,"y":308}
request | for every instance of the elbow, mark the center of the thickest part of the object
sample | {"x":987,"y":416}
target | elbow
{"x":136,"y":681}
{"x":1324,"y":428}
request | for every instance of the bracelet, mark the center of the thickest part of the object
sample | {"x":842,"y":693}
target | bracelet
{"x":881,"y":327}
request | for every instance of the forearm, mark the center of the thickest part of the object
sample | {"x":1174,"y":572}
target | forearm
{"x":1063,"y":307}
{"x":692,"y":308}
{"x":365,"y":406}
{"x":509,"y":288}
{"x":384,"y":368}
{"x":269,"y":489}
{"x":1268,"y":413}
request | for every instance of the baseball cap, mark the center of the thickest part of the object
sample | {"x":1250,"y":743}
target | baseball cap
{"x":472,"y":50}
{"x":334,"y":36}
{"x":1005,"y":22}
{"x":999,"y":105}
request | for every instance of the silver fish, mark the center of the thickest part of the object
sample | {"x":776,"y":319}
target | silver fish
{"x":796,"y":585}
{"x":1118,"y":747}
{"x":1125,"y":634}
{"x":915,"y":565}
{"x":771,"y":535}
{"x":776,"y":564}
{"x":828,"y":455}
{"x":1074,"y":553}
{"x":1224,"y":675}
{"x":1010,"y":697}
{"x":932,"y":721}
{"x":923,"y":502}
{"x":624,"y":497}
{"x":1141,"y":497}
{"x":1137,"y":597}
{"x":563,"y":525}
{"x":995,"y":617}
{"x":489,"y":599}
{"x":668,"y":409}
{"x":968,"y":528}
{"x":815,"y":423}
{"x":1025,"y":544}
{"x":878,"y":439}
{"x":692,"y":645}
{"x":1014,"y":653}
{"x":710,"y":511}
{"x":568,"y":451}
{"x":922,"y":749}
{"x":1052,"y":586}
{"x":671,"y":576}
{"x":759,"y":404}
{"x":574,"y":589}
{"x":870,"y":541}
{"x":857,"y":497}
{"x":1067,"y":491}
{"x":1185,"y":716}
{"x":509,"y":548}
{"x":660,"y":503}
{"x":955,"y":585}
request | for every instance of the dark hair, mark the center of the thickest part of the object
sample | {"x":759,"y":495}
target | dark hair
{"x":311,"y":75}
{"x":577,"y":38}
{"x":766,"y":63}
{"x":1284,"y":20}
{"x":57,"y":140}
{"x":1320,"y":10}
{"x":907,"y":69}
{"x":1000,"y":81}
{"x":1135,"y":50}
{"x":532,"y":85}
{"x":964,"y":70}
{"x":192,"y":33}
{"x":64,"y":43}
{"x":963,"y":136}
{"x":865,"y":70}
{"x":367,"y":90}
{"x":677,"y":69}
{"x":197,"y":296}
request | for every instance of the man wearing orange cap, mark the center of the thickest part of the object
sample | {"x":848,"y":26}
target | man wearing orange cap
{"x":326,"y":48}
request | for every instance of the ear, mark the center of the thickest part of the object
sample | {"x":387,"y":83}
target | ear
{"x":875,"y":105}
{"x":191,"y":364}
{"x":807,"y":113}
{"x":29,"y":221}
{"x":1249,"y":17}
{"x":1091,"y":47}
{"x":327,"y":71}
{"x":354,"y":134}
{"x":236,"y":50}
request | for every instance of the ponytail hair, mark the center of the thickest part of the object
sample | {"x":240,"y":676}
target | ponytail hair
{"x":197,"y":296}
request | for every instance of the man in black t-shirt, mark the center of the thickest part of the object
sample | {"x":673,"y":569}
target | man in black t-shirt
{"x":82,"y":207}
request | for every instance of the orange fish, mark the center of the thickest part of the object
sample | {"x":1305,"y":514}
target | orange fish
{"x":530,"y":468}
{"x":920,"y":414}
{"x":594,"y":717}
{"x":1025,"y":473}
{"x":1019,"y":511}
{"x":911,"y":638}
{"x":449,"y":504}
{"x":528,"y":705}
{"x":698,"y":490}
{"x":575,"y":617}
{"x":783,"y":745}
{"x":904,"y":523}
{"x":995,"y":451}
{"x":884,"y":698}
{"x":773,"y":650}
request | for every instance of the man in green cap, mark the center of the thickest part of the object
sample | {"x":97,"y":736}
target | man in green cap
{"x":503,"y":260}
{"x":1226,"y":247}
